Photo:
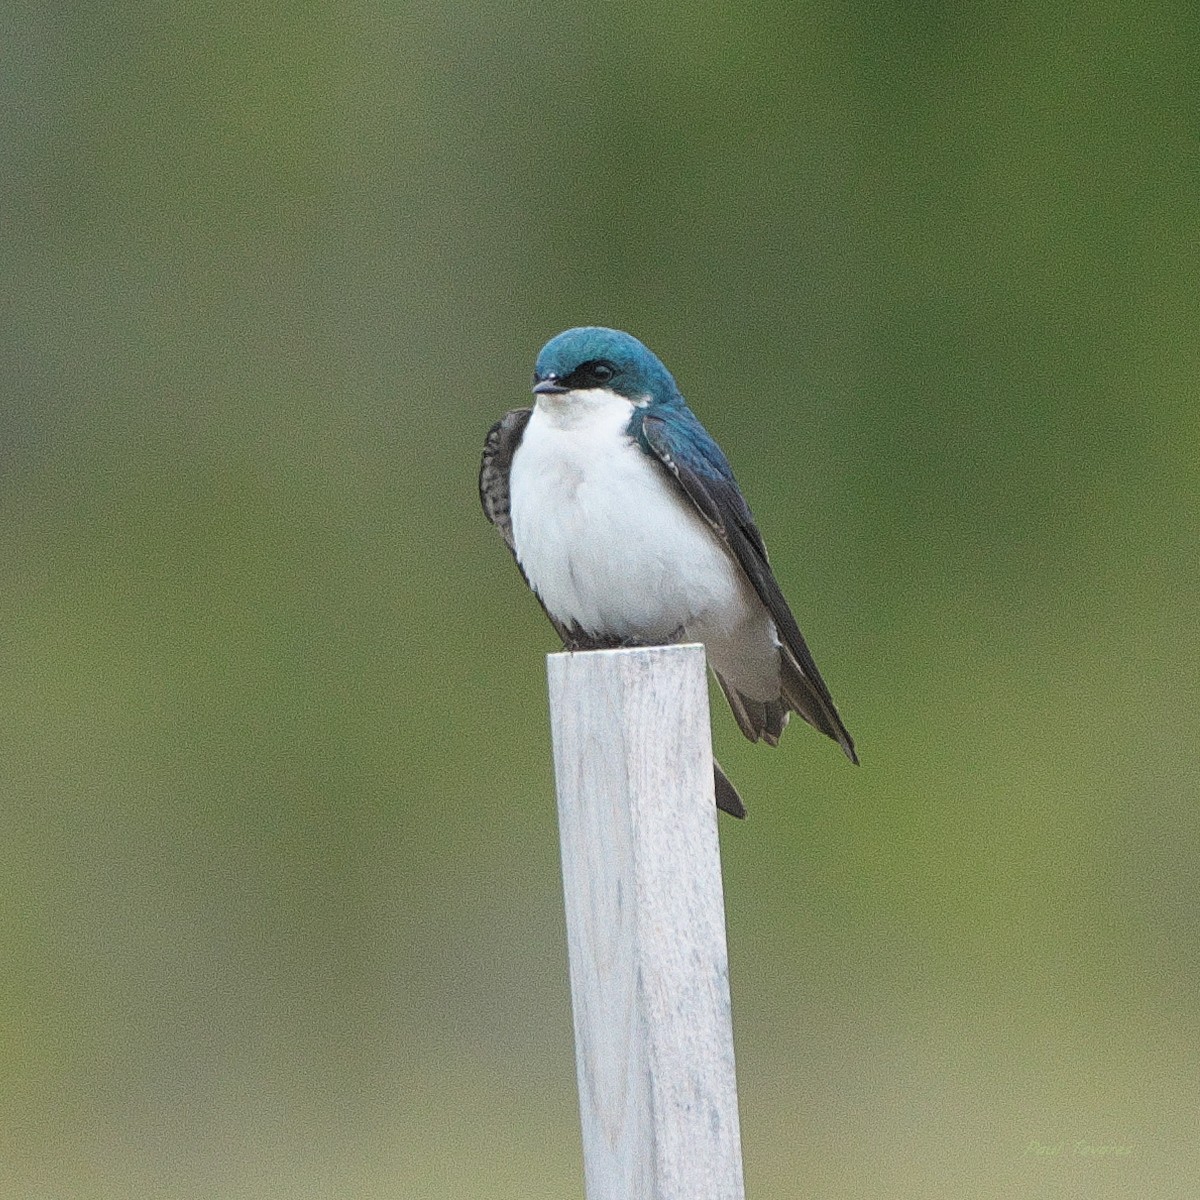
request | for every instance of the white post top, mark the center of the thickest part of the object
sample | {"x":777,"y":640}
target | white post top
{"x":645,"y":924}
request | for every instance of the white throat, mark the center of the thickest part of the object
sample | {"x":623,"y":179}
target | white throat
{"x":584,"y":409}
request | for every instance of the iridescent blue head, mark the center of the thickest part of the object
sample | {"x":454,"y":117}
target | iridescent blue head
{"x":594,"y":357}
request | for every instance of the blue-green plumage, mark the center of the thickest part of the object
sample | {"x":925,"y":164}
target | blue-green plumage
{"x":626,"y":520}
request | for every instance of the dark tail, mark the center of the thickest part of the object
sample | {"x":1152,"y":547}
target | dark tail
{"x":727,"y":798}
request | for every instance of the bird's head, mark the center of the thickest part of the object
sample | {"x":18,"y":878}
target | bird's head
{"x":593,"y":359}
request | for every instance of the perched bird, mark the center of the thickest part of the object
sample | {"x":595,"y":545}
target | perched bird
{"x":626,"y":521}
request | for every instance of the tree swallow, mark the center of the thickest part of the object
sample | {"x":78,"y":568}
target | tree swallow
{"x":627,"y":523}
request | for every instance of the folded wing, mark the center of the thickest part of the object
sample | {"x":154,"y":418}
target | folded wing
{"x":710,"y":486}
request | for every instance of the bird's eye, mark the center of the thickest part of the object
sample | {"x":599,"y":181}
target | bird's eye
{"x":602,"y":372}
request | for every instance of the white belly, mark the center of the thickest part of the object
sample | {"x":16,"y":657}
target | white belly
{"x":610,"y":543}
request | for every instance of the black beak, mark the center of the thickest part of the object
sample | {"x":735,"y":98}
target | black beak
{"x":549,"y":387}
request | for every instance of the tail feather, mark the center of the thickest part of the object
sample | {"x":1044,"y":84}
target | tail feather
{"x":764,"y":720}
{"x":728,"y":799}
{"x":759,"y":720}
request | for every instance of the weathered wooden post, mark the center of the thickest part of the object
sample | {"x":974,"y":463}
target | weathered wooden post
{"x":645,"y":924}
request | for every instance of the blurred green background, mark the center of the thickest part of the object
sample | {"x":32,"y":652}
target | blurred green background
{"x":280,"y":896}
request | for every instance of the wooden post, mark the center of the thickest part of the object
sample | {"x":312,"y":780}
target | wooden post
{"x":645,"y":924}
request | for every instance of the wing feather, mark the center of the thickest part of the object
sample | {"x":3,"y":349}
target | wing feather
{"x":719,"y":501}
{"x":498,"y":449}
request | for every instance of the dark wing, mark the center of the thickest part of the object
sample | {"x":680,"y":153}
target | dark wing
{"x":712,"y":489}
{"x":498,"y":449}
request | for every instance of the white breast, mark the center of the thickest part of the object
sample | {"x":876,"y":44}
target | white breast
{"x":610,"y":543}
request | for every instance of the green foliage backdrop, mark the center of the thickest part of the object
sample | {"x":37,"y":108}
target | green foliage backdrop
{"x":281,"y":911}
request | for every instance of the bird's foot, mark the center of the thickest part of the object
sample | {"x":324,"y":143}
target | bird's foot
{"x":596,"y":642}
{"x":600,"y":642}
